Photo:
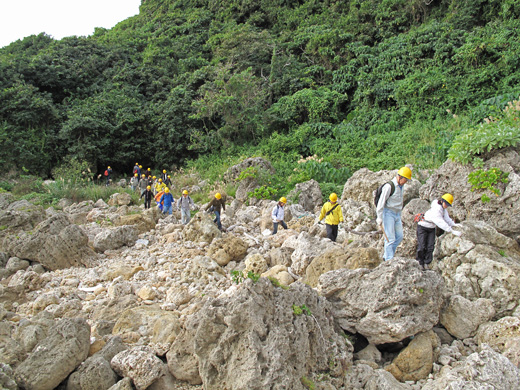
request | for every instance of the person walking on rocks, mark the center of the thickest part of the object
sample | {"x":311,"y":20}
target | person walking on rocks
{"x":278,"y":214}
{"x":159,"y":186}
{"x":108,"y":173}
{"x":436,"y":216}
{"x":167,"y":201}
{"x":216,"y":204}
{"x":148,"y":195}
{"x":333,"y":215}
{"x":143,"y":183}
{"x":184,"y":204}
{"x":134,"y":182}
{"x":389,"y":209}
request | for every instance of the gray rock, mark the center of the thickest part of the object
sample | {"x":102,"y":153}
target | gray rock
{"x":15,"y":264}
{"x":56,"y":356}
{"x":115,"y":238}
{"x":201,"y":228}
{"x":123,"y":384}
{"x":387,"y":304}
{"x":7,"y":381}
{"x":94,"y":373}
{"x":462,"y":317}
{"x":120,"y":199}
{"x":140,"y":364}
{"x":267,"y":334}
{"x":306,"y":248}
{"x":308,"y":194}
{"x":257,"y":162}
{"x":4,"y":257}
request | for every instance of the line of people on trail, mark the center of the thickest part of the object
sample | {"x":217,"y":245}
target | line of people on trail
{"x":389,"y":205}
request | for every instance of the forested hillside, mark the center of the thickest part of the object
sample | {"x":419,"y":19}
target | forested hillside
{"x":357,"y":83}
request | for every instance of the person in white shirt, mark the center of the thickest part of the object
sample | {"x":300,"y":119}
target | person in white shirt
{"x":184,"y":203}
{"x":436,"y":216}
{"x":278,"y":214}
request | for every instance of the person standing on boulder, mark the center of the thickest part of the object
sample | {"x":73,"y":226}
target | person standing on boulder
{"x":216,"y":204}
{"x":436,"y":216}
{"x":278,"y":214}
{"x":148,"y":195}
{"x":333,"y":215}
{"x":184,"y":204}
{"x":389,"y":209}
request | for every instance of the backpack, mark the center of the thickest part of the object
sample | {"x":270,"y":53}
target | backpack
{"x":418,"y":217}
{"x":106,"y":172}
{"x":377,"y":195}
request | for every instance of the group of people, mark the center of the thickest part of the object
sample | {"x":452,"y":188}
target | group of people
{"x":388,"y":210}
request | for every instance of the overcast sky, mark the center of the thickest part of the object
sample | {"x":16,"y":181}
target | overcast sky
{"x":60,"y":18}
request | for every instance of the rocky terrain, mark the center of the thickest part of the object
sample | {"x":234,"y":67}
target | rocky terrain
{"x":112,"y":296}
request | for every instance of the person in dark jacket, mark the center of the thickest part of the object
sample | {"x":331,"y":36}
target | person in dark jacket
{"x":108,"y":172}
{"x":216,"y":204}
{"x":148,"y":196}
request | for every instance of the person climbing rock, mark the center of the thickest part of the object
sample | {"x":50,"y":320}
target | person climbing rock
{"x":333,"y":215}
{"x":148,"y":195}
{"x":278,"y":214}
{"x":216,"y":204}
{"x":184,"y":204}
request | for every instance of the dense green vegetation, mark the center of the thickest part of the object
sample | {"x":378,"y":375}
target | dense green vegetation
{"x":204,"y":83}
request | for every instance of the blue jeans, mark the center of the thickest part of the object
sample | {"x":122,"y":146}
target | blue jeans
{"x":167,"y":209}
{"x":275,"y":226}
{"x":394,"y":232}
{"x":217,"y":220}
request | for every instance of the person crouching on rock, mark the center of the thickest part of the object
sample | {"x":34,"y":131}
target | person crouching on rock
{"x":148,"y":195}
{"x":333,"y":215}
{"x":436,"y":216}
{"x":278,"y":214}
{"x":215,"y":205}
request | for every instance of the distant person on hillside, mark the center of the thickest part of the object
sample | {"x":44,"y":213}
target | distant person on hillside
{"x":136,"y":170}
{"x":159,"y":186}
{"x":168,"y":181}
{"x":278,"y":214}
{"x":167,"y":201}
{"x":143,"y":183}
{"x":216,"y":204}
{"x":148,"y":195}
{"x":108,"y":173}
{"x":389,"y":209}
{"x":134,"y":182}
{"x":436,"y":217}
{"x":184,"y":204}
{"x":333,"y":215}
{"x":164,"y":176}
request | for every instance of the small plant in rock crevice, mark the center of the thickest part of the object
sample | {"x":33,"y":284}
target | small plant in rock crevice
{"x":487,"y":180}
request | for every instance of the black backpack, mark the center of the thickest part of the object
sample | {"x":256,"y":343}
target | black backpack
{"x":380,"y":189}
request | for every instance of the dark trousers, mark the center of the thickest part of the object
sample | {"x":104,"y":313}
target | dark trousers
{"x":275,"y":226}
{"x":147,"y":203}
{"x":425,"y":244}
{"x":332,"y":232}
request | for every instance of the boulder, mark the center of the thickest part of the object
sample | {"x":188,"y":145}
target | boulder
{"x":291,"y":337}
{"x":486,"y":369}
{"x":415,"y":362}
{"x":202,"y":270}
{"x":227,"y":248}
{"x":94,"y":373}
{"x":337,"y":258}
{"x":123,"y":384}
{"x":279,"y":272}
{"x":357,"y":215}
{"x":414,"y":207}
{"x":7,"y":381}
{"x":19,"y":215}
{"x":55,"y":244}
{"x":78,"y":212}
{"x":257,"y":162}
{"x":365,"y":377}
{"x":140,"y":364}
{"x":280,"y":256}
{"x":306,"y":248}
{"x":462,"y":317}
{"x":120,"y":199}
{"x":255,"y":263}
{"x":308,"y":195}
{"x":56,"y":356}
{"x":201,"y":229}
{"x":247,"y":185}
{"x":142,"y":223}
{"x":500,"y":335}
{"x":387,"y":304}
{"x":115,"y":238}
{"x":247,"y":215}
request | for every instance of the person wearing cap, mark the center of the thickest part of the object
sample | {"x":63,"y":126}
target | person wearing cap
{"x":389,"y":209}
{"x":184,"y":204}
{"x":278,"y":214}
{"x":436,"y":217}
{"x":216,"y":204}
{"x":148,"y":195}
{"x":333,"y":215}
{"x":134,"y":182}
{"x":167,"y":201}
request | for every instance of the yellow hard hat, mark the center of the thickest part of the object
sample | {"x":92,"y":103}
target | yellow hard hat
{"x":164,"y":171}
{"x":153,"y":177}
{"x":148,"y":187}
{"x":143,"y":175}
{"x":140,"y":166}
{"x":283,"y":200}
{"x":185,"y":192}
{"x":109,"y":167}
{"x":136,"y":164}
{"x":448,"y":198}
{"x":166,"y":190}
{"x":169,"y":177}
{"x":333,"y":197}
{"x":149,"y":169}
{"x":218,"y":196}
{"x":135,"y":174}
{"x":405,"y":172}
{"x":160,"y":180}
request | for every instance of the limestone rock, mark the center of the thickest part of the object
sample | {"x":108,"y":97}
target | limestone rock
{"x":140,"y":364}
{"x":7,"y":381}
{"x":55,"y":244}
{"x":78,"y":212}
{"x":202,"y":270}
{"x":387,"y":304}
{"x":229,"y":335}
{"x":249,"y":184}
{"x":279,"y":272}
{"x":414,"y":207}
{"x":256,"y":162}
{"x":256,"y":263}
{"x":142,"y":222}
{"x":227,"y":248}
{"x":201,"y":228}
{"x":306,"y":249}
{"x":461,"y":317}
{"x":247,"y":215}
{"x":281,"y":256}
{"x":56,"y":356}
{"x":498,"y":334}
{"x":120,"y":199}
{"x":308,"y":194}
{"x":115,"y":238}
{"x":337,"y":258}
{"x":94,"y":373}
{"x":415,"y":362}
{"x":123,"y":384}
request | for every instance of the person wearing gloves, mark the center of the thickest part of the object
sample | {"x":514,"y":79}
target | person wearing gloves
{"x":184,"y":204}
{"x":278,"y":214}
{"x":167,"y":201}
{"x":436,"y":216}
{"x":389,"y":209}
{"x":333,"y":215}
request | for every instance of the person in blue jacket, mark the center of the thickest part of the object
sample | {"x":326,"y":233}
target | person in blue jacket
{"x":168,"y":201}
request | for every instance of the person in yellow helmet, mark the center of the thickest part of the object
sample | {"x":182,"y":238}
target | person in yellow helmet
{"x":436,"y":217}
{"x":159,"y":186}
{"x":164,"y":176}
{"x":278,"y":214}
{"x":168,"y":201}
{"x":143,"y":183}
{"x":333,"y":215}
{"x":216,"y":204}
{"x":148,"y":195}
{"x":388,"y":210}
{"x":108,"y":173}
{"x":184,"y":204}
{"x":168,"y":181}
{"x":134,"y":182}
